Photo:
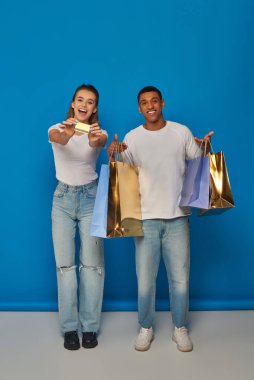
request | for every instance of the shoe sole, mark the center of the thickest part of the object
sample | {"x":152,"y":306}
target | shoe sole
{"x":90,"y":345}
{"x":72,"y":348}
{"x":180,"y":348}
{"x":146,"y":348}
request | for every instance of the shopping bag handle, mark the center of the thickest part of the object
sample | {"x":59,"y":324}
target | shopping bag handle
{"x":119,"y":154}
{"x":206,"y":142}
{"x":116,"y":150}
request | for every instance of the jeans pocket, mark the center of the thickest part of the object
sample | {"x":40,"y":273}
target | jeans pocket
{"x":59,"y":191}
{"x":91,"y":190}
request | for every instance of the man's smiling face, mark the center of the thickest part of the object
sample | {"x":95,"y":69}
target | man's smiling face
{"x":151,"y":105}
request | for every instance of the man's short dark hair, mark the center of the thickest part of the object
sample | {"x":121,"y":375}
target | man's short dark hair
{"x":150,"y":89}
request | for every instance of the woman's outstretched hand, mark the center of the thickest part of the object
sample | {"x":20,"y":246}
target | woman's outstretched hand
{"x":95,"y":136}
{"x":69,"y":126}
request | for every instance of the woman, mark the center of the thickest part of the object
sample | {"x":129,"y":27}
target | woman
{"x":75,"y":157}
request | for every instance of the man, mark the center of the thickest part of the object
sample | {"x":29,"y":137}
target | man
{"x":159,"y":149}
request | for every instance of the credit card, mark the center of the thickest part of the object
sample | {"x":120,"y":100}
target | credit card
{"x":82,"y":127}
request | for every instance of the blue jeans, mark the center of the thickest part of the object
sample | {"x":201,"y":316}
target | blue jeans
{"x":168,"y":238}
{"x":73,"y":206}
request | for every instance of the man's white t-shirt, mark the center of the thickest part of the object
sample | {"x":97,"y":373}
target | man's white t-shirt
{"x":75,"y":162}
{"x":160,"y":157}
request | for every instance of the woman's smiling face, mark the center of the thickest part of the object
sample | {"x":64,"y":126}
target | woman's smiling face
{"x":84,"y":105}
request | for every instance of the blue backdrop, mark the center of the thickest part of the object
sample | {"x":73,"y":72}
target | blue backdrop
{"x":200,"y":54}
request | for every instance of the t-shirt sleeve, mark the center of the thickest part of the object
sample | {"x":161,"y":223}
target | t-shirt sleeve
{"x":192,"y":150}
{"x":104,"y":132}
{"x":57,"y":127}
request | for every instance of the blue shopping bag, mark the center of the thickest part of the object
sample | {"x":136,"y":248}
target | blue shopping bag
{"x":195,"y":191}
{"x":99,"y":218}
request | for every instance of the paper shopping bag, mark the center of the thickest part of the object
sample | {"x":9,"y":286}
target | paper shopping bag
{"x":124,"y":207}
{"x":220,"y":193}
{"x":195,"y":191}
{"x":99,"y":218}
{"x":117,"y":209}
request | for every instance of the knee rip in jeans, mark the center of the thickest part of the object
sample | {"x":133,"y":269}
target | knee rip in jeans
{"x":66,"y":269}
{"x":98,"y":269}
{"x":180,"y":282}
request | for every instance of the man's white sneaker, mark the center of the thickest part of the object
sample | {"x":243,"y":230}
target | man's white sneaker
{"x":182,"y":339}
{"x":144,"y":339}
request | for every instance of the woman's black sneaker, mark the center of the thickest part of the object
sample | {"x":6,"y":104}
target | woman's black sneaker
{"x":71,"y":340}
{"x":89,"y":340}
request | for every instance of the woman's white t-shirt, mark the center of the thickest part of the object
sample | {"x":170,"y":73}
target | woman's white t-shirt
{"x":75,"y":162}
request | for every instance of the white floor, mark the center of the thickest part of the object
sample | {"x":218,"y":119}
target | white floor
{"x":32,"y":348}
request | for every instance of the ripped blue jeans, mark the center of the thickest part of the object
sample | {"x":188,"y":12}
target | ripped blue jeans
{"x":72,"y":208}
